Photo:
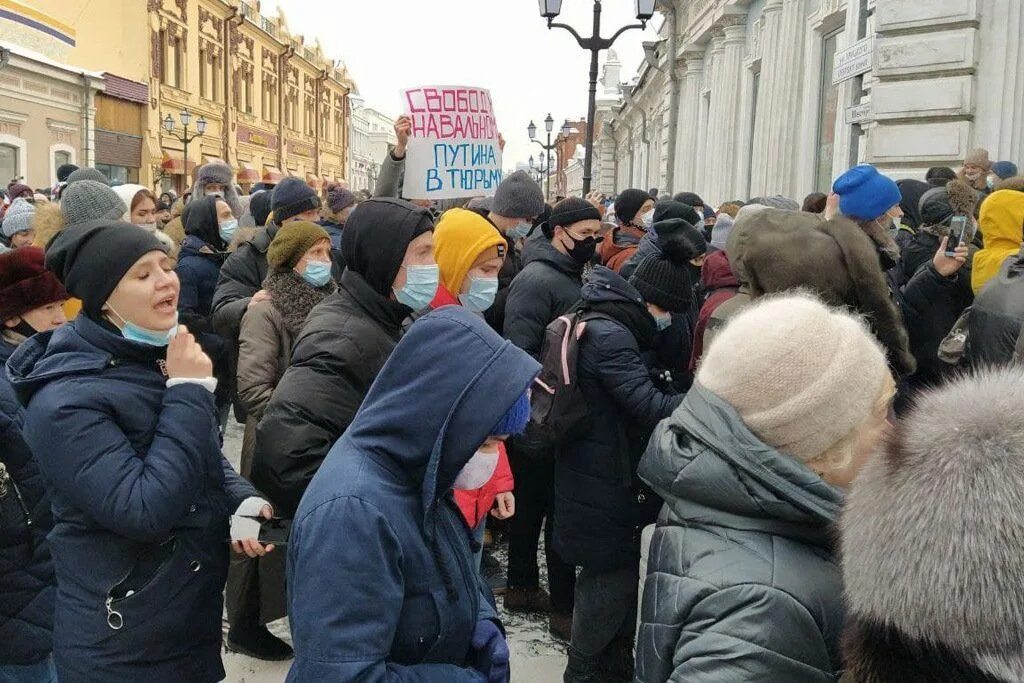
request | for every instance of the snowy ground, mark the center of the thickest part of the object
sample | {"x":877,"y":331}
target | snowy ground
{"x":537,"y":657}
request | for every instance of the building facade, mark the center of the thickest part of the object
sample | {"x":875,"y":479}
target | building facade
{"x":747,"y":97}
{"x":47,"y":106}
{"x":373,"y":135}
{"x":273,"y":105}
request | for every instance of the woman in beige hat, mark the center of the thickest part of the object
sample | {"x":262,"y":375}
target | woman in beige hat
{"x":743,"y":582}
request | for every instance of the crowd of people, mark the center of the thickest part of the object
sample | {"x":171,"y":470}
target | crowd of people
{"x":757,"y":440}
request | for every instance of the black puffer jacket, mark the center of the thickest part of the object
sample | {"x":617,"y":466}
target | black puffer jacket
{"x":931,"y":305}
{"x":600,"y":503}
{"x":548,"y":286}
{"x":996,"y":326}
{"x":241,"y":276}
{"x":334,"y":362}
{"x":26,"y":568}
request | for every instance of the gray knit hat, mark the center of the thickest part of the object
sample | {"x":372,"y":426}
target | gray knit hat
{"x":87,"y":200}
{"x":518,"y":196}
{"x":18,"y":217}
{"x":88,"y":174}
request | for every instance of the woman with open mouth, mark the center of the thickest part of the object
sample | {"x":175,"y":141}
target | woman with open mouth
{"x":120,"y":414}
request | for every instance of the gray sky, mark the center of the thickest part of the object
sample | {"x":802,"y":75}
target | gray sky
{"x":503,"y":45}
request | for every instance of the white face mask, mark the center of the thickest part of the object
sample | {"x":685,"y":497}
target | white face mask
{"x":478,"y":471}
{"x":647,"y":220}
{"x":972,"y":175}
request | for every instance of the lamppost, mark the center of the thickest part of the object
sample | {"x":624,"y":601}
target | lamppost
{"x":540,"y":169}
{"x":549,"y":9}
{"x":186,"y":117}
{"x":549,"y":126}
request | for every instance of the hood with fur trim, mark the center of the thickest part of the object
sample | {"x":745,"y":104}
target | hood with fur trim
{"x":933,"y":530}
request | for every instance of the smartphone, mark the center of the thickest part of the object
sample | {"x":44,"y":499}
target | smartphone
{"x":957,"y":234}
{"x":275,"y":530}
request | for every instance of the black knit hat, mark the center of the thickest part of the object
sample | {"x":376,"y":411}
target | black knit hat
{"x":91,"y":258}
{"x":664,"y":283}
{"x":259,"y":206}
{"x":291,"y":197}
{"x":689,"y":198}
{"x":569,"y":211}
{"x":628,"y":203}
{"x":670,"y":208}
{"x":64,"y":170}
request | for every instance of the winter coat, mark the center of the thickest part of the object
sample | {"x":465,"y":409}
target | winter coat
{"x":265,"y":343}
{"x":931,"y":541}
{"x":723,"y":313}
{"x":600,"y":504}
{"x":27,"y":585}
{"x":334,"y":361}
{"x":337,"y":260}
{"x":391,"y":177}
{"x":720,"y":285}
{"x":648,"y":246}
{"x":241,"y":276}
{"x":198,"y":269}
{"x":141,"y":496}
{"x":619,"y":247}
{"x":1000,"y":223}
{"x":996,"y":325}
{"x":742,"y":582}
{"x":9,"y":404}
{"x":377,"y":540}
{"x":548,"y":286}
{"x":931,"y":305}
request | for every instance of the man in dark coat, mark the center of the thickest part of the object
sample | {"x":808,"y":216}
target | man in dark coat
{"x":342,"y":347}
{"x":378,"y":542}
{"x":548,"y":286}
{"x":600,"y":504}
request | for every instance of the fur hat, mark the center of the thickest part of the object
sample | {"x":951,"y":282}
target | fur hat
{"x":939,"y":204}
{"x":931,"y":539}
{"x":25,"y":283}
{"x":628,"y":204}
{"x":864,"y":193}
{"x":460,"y":239}
{"x":802,"y":375}
{"x":774,"y":250}
{"x":291,"y":197}
{"x":518,"y":196}
{"x":291,"y":243}
{"x":978,"y":157}
{"x":88,"y":200}
{"x":218,"y":173}
{"x":18,"y":217}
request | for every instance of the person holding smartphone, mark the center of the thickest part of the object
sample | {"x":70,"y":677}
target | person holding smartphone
{"x":119,"y":413}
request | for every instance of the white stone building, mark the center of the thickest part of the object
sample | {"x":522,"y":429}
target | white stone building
{"x":747,"y":97}
{"x":372,"y":135}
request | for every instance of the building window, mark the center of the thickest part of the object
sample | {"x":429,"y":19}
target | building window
{"x":248,"y":80}
{"x":9,"y":169}
{"x":204,"y":71}
{"x":60,"y":158}
{"x":828,"y":102}
{"x":121,"y":174}
{"x":270,"y":98}
{"x":172,"y":58}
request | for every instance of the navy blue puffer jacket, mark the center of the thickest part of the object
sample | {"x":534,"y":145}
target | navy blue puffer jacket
{"x":382,"y":585}
{"x":141,"y":501}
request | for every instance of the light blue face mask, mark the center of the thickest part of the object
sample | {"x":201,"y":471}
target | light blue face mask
{"x":663,"y":322}
{"x":480,"y":296}
{"x":227,"y":229}
{"x":317,"y":273}
{"x":520,"y":231}
{"x":142,"y":335}
{"x":420,"y":286}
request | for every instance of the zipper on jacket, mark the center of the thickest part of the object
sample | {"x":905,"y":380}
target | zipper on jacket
{"x":115,"y":620}
{"x":7,"y":483}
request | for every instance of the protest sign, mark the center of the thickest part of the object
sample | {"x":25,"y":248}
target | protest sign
{"x":453,"y":150}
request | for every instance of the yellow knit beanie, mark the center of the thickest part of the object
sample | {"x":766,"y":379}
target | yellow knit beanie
{"x":460,"y":238}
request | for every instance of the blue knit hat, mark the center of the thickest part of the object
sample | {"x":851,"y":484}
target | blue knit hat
{"x":514,"y":421}
{"x":1004,"y":169}
{"x":865,"y":194}
{"x":291,"y":197}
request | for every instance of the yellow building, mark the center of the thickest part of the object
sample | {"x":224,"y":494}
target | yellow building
{"x":272,"y":105}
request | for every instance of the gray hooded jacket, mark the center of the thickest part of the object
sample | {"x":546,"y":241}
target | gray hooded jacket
{"x":742,"y":584}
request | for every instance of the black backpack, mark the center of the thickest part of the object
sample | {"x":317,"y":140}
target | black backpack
{"x":557,"y":405}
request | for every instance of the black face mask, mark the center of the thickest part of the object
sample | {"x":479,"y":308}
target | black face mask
{"x":24,"y":329}
{"x":582,"y":250}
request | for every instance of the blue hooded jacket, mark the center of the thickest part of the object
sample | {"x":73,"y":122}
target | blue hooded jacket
{"x":141,"y":497}
{"x":381,"y":581}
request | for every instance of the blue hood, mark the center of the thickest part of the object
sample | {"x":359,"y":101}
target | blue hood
{"x":606,"y":285}
{"x":446,"y":385}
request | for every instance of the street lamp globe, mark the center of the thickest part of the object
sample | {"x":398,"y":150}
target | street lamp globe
{"x":532,"y":130}
{"x":201,"y":125}
{"x":186,"y":117}
{"x":644,"y":9}
{"x":565,"y":129}
{"x":168,"y":123}
{"x":549,"y":9}
{"x":549,"y":124}
{"x":531,"y":161}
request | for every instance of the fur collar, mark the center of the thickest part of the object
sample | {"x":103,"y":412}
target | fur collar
{"x":294,"y":298}
{"x":933,"y":530}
